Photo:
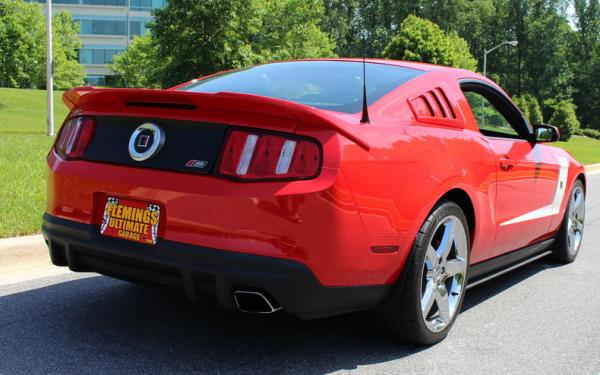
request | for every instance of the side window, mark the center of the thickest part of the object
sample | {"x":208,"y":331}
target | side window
{"x":495,"y":113}
{"x":489,"y":119}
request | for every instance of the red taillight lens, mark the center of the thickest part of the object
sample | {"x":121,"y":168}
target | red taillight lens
{"x":250,"y":155}
{"x":75,"y":136}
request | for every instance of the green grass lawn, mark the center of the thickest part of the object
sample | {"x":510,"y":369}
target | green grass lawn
{"x":23,"y":149}
{"x":586,"y":150}
{"x":24,"y":146}
{"x":24,"y":111}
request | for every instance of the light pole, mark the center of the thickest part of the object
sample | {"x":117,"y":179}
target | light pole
{"x":512,"y":43}
{"x":49,"y":68}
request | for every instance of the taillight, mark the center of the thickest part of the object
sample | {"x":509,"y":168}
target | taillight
{"x":75,"y":136}
{"x":254,"y":155}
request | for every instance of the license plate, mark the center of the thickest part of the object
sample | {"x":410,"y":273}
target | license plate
{"x":130,"y":220}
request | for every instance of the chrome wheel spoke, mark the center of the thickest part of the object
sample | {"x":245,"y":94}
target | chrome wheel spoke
{"x":575,"y":220}
{"x":577,"y":198}
{"x":432,"y":257}
{"x":455,"y":267}
{"x":428,"y":298}
{"x":443,"y":307}
{"x":444,"y":270}
{"x":447,"y":241}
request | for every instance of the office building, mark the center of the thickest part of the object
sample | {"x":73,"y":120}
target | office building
{"x":106,"y":29}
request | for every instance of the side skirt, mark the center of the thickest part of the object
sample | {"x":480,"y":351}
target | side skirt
{"x":489,"y":269}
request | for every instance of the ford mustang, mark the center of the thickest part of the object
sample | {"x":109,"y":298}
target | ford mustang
{"x":316,"y":187}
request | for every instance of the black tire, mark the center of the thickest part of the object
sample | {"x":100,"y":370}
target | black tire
{"x":402,"y":317}
{"x":565,"y":251}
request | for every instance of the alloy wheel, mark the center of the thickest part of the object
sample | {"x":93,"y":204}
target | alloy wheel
{"x":575,"y":220}
{"x":444,"y":273}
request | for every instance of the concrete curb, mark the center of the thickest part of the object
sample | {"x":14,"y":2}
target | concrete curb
{"x":25,"y":258}
{"x":22,"y":249}
{"x":592,"y":169}
{"x":21,"y":241}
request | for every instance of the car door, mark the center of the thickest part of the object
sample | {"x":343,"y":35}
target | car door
{"x":525,"y":177}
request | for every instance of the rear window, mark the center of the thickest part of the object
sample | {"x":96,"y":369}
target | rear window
{"x":331,"y":85}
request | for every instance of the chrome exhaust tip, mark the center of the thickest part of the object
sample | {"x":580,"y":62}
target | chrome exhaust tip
{"x":254,"y":302}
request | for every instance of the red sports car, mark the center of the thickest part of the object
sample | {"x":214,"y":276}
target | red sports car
{"x":314,"y":187}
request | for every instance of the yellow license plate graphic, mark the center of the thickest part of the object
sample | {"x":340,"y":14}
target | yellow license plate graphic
{"x":130,"y":220}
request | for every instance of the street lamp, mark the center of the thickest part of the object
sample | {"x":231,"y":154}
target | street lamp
{"x":512,"y":43}
{"x":49,"y":69}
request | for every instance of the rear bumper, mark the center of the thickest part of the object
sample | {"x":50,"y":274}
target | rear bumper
{"x":200,"y":270}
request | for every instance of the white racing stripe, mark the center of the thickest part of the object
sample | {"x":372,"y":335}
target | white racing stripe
{"x":559,"y":194}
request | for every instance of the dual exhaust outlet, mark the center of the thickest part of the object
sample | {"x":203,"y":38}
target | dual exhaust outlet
{"x":254,"y":302}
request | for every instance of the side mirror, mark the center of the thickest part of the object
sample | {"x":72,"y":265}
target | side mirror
{"x":545,"y":133}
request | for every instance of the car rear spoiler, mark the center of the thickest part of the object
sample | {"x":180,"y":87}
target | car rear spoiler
{"x":192,"y":104}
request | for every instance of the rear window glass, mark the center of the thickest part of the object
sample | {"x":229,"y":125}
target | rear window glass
{"x":331,"y":85}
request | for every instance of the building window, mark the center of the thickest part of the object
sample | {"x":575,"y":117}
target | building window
{"x":105,"y":2}
{"x":89,"y":2}
{"x":95,"y":81}
{"x":99,"y":55}
{"x":102,"y":27}
{"x":140,"y":5}
{"x":85,"y":56}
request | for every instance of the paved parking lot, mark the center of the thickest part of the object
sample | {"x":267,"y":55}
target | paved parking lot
{"x":543,"y":318}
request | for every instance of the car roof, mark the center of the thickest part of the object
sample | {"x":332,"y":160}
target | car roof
{"x":424,"y":67}
{"x":405,"y":64}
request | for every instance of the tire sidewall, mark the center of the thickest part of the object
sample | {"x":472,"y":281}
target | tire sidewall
{"x":563,"y":246}
{"x":438,"y":214}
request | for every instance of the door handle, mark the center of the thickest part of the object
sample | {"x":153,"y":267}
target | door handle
{"x":507,"y":164}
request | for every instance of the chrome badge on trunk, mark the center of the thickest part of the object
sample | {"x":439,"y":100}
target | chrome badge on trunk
{"x":146,"y":141}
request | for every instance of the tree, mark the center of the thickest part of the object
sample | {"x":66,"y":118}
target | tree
{"x":422,"y":40}
{"x":587,"y":19}
{"x":195,"y":38}
{"x":139,"y":65}
{"x":530,"y":108}
{"x":564,"y":119}
{"x":290,"y":30}
{"x":21,"y":54}
{"x":475,"y":21}
{"x":459,"y":52}
{"x":68,"y":72}
{"x":586,"y":93}
{"x":549,"y":72}
{"x":23,"y":47}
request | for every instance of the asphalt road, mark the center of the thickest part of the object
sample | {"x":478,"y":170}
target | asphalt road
{"x":543,"y":318}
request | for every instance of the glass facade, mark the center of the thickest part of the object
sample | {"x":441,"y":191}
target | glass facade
{"x":139,"y":5}
{"x":91,"y":80}
{"x":103,"y":29}
{"x":147,"y":4}
{"x":138,"y":27}
{"x":98,"y":54}
{"x":105,"y":25}
{"x":101,"y":26}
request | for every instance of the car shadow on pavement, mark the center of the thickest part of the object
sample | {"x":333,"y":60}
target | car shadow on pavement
{"x":502,"y":283}
{"x":101,"y":325}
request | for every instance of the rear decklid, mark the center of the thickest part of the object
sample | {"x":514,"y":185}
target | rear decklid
{"x":222,"y":108}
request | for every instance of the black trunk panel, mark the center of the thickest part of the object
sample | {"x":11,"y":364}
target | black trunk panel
{"x":184,"y":141}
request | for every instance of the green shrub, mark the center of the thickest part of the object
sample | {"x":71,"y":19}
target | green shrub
{"x":422,"y":40}
{"x":592,"y":133}
{"x":565,"y":119}
{"x":530,"y":108}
